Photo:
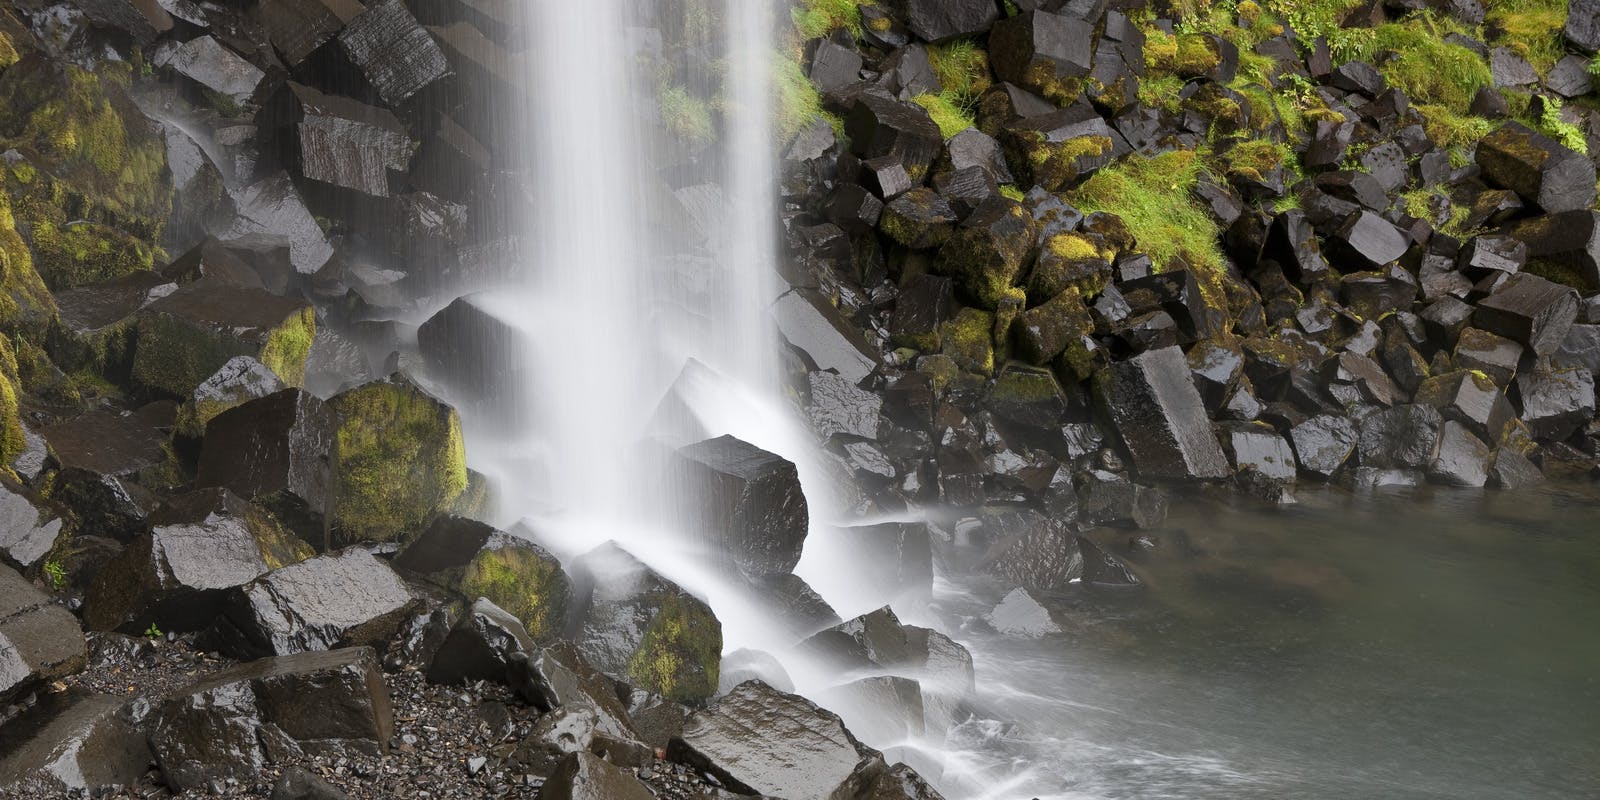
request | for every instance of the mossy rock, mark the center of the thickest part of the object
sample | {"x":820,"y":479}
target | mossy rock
{"x":184,"y":338}
{"x":399,"y":461}
{"x":919,"y":219}
{"x":987,"y":253}
{"x":81,"y":253}
{"x":11,"y":432}
{"x":680,"y":654}
{"x":1079,"y":261}
{"x":25,"y":303}
{"x":524,"y":580}
{"x":967,"y":339}
{"x":1035,"y":160}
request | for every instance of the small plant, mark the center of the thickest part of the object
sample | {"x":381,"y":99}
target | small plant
{"x":1568,"y":134}
{"x":153,"y":631}
{"x":56,"y":574}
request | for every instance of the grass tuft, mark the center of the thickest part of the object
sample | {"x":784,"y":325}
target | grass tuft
{"x":798,"y":101}
{"x":946,"y":111}
{"x":814,"y":19}
{"x":1153,"y":195}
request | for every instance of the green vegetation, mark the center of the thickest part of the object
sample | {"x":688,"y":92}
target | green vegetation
{"x":817,"y":18}
{"x":153,"y":632}
{"x":1551,"y":123}
{"x":399,"y":460}
{"x":962,"y":67}
{"x":680,"y":653}
{"x":56,"y":574}
{"x":527,"y":585}
{"x":288,"y":346}
{"x":1532,"y":28}
{"x":688,"y":117}
{"x":950,"y":117}
{"x":798,"y":102}
{"x":1011,"y":191}
{"x":1153,"y":196}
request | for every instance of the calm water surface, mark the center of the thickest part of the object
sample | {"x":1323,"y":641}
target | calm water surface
{"x":1408,"y":644}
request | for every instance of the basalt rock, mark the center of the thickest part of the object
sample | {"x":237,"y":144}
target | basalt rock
{"x":1556,"y":402}
{"x":1368,"y":240}
{"x":924,"y":303}
{"x":1403,"y":437}
{"x":986,"y":253}
{"x":1021,"y":614}
{"x":582,"y":776}
{"x":237,"y":382}
{"x":879,"y":125}
{"x":838,"y":407}
{"x":199,"y":545}
{"x":1462,"y":460}
{"x":1583,"y":25}
{"x":1160,"y":417}
{"x":1106,"y":498}
{"x":335,"y":140}
{"x":1043,"y":52}
{"x":834,"y":66}
{"x":641,"y":627}
{"x":1570,"y":239}
{"x":334,"y":600}
{"x":885,"y":708}
{"x":1101,"y":567}
{"x":299,"y":27}
{"x":1472,"y":399}
{"x":558,"y":676}
{"x":476,"y":560}
{"x":29,"y":526}
{"x":1323,"y":444}
{"x":1538,"y":168}
{"x":1029,"y":396}
{"x":479,"y":646}
{"x":1530,"y":310}
{"x":235,"y":722}
{"x":757,"y":740}
{"x":43,"y":640}
{"x":275,"y":451}
{"x":216,"y":68}
{"x":393,"y":51}
{"x":106,"y":461}
{"x":272,"y":210}
{"x":919,"y":219}
{"x":751,"y":500}
{"x":187,"y":336}
{"x":1029,"y":549}
{"x":1260,"y":448}
{"x":72,"y":743}
{"x":1057,"y":150}
{"x":1495,"y":356}
{"x":897,"y":557}
{"x":1046,"y":331}
{"x":942,"y":20}
{"x":816,"y":328}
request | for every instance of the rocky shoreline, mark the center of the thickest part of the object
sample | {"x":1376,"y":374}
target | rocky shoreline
{"x":1050,"y":265}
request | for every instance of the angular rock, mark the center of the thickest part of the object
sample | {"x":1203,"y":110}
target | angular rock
{"x":1029,"y":549}
{"x":1513,"y":470}
{"x":1463,"y":459}
{"x":299,"y":27}
{"x":1538,"y":168}
{"x":393,"y":51}
{"x":1569,"y":239}
{"x":476,"y":560}
{"x":986,"y":253}
{"x":42,"y":640}
{"x":236,"y":721}
{"x":1495,"y":356}
{"x":816,"y":328}
{"x":924,"y":303}
{"x":1106,"y":498}
{"x":1292,"y":242}
{"x":834,"y":66}
{"x":757,"y":740}
{"x":237,"y":382}
{"x":1556,"y":402}
{"x":1029,"y":396}
{"x":399,"y":461}
{"x":1367,"y":240}
{"x":335,"y":140}
{"x":187,"y":336}
{"x":72,"y":744}
{"x":271,"y":210}
{"x":104,"y":459}
{"x":1570,"y":77}
{"x":640,"y":627}
{"x":1583,"y":25}
{"x":558,"y":676}
{"x":1403,"y":437}
{"x":1102,"y":568}
{"x":885,"y":708}
{"x":938,"y":21}
{"x":199,"y":545}
{"x":919,"y":219}
{"x":1057,"y":150}
{"x":274,"y":451}
{"x":749,"y":502}
{"x":335,"y":600}
{"x":28,"y":526}
{"x":839,"y":407}
{"x":1021,"y":614}
{"x":1471,"y":399}
{"x":974,"y":148}
{"x":1160,"y":417}
{"x":1323,"y":444}
{"x":1530,"y":310}
{"x":479,"y":646}
{"x":218,"y":69}
{"x":1258,"y":447}
{"x":1046,"y":331}
{"x":1042,"y":52}
{"x":880,"y":125}
{"x":582,"y":776}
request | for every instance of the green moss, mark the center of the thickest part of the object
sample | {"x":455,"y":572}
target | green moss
{"x":399,"y":460}
{"x":1154,"y":197}
{"x":962,"y":67}
{"x":1564,"y":274}
{"x":223,"y":103}
{"x":530,"y":587}
{"x":967,"y":339}
{"x":947,"y":112}
{"x":1451,"y":130}
{"x":288,"y":346}
{"x":24,"y":300}
{"x":81,"y":253}
{"x":1052,"y":165}
{"x":797,"y":101}
{"x":1012,"y":192}
{"x":680,"y":653}
{"x":685,"y":115}
{"x":1532,"y":28}
{"x":1073,"y":247}
{"x":11,"y":439}
{"x":8,"y":51}
{"x":814,"y":19}
{"x":1253,"y":160}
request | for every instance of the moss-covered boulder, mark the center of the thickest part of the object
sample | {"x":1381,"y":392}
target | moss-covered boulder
{"x":1044,"y":332}
{"x":1067,"y":261}
{"x":25,"y":303}
{"x":239,"y":381}
{"x":185,"y":337}
{"x":476,"y":560}
{"x":11,"y":433}
{"x":986,"y":254}
{"x":968,"y":340}
{"x":399,"y":461}
{"x":1057,"y":150}
{"x":919,"y":219}
{"x":642,"y":628}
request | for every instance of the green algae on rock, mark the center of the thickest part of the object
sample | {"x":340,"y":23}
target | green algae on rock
{"x":184,"y":338}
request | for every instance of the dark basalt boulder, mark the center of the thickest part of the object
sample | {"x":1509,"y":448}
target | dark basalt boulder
{"x":1470,"y":398}
{"x":1028,"y":396}
{"x":885,"y":708}
{"x":1403,"y":437}
{"x":1462,"y":460}
{"x":1106,"y":498}
{"x":1570,"y":239}
{"x":874,"y":779}
{"x":476,"y":560}
{"x":838,"y":407}
{"x":896,"y":557}
{"x":1556,"y":402}
{"x":1484,"y":255}
{"x":1160,"y":417}
{"x":757,"y":740}
{"x":275,"y":451}
{"x":393,"y":51}
{"x":558,"y":676}
{"x":479,"y":646}
{"x":470,"y":345}
{"x":28,"y":526}
{"x":1513,"y":470}
{"x":1530,"y":310}
{"x":299,"y":27}
{"x":216,"y":68}
{"x":271,"y":210}
{"x":834,"y":66}
{"x":334,"y":600}
{"x":335,"y":140}
{"x":880,"y":125}
{"x":1292,"y":243}
{"x":1256,"y":446}
{"x":1047,"y":330}
{"x":1570,"y":77}
{"x":749,"y":502}
{"x":1029,"y":549}
{"x":1495,"y":356}
{"x":1366,"y":241}
{"x":43,"y":640}
{"x":925,"y":302}
{"x":1583,"y":25}
{"x":186,"y":336}
{"x":854,"y":209}
{"x":1102,"y":568}
{"x":72,"y":743}
{"x":974,"y":148}
{"x":1537,"y":168}
{"x":937,"y":21}
{"x":583,"y":776}
{"x":1043,"y":52}
{"x":104,"y":461}
{"x":1057,"y":150}
{"x":235,"y":722}
{"x":793,"y":603}
{"x":816,"y":328}
{"x":874,"y":639}
{"x":235,"y":383}
{"x":920,"y":219}
{"x":1323,"y":444}
{"x":985,"y":255}
{"x":198,"y":545}
{"x":640,"y":627}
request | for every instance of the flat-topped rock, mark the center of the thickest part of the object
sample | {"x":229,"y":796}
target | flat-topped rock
{"x":335,"y":600}
{"x":1156,"y":410}
{"x":72,"y":743}
{"x":749,"y":501}
{"x":40,"y":641}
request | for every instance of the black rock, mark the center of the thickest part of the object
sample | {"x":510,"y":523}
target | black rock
{"x":793,"y":603}
{"x":29,"y":526}
{"x":750,"y":502}
{"x":470,"y":345}
{"x":1463,"y":458}
{"x":69,"y":744}
{"x":1513,"y":470}
{"x":938,"y":21}
{"x":838,"y":407}
{"x":1538,"y":168}
{"x":974,"y":148}
{"x":1368,"y":240}
{"x":1102,"y":568}
{"x":1027,"y":548}
{"x":925,"y":302}
{"x":1057,"y":150}
{"x":479,"y":646}
{"x":1044,"y":332}
{"x":1583,"y":25}
{"x":1323,"y":444}
{"x":43,"y":640}
{"x":1485,"y":254}
{"x":1556,"y":402}
{"x":216,"y":68}
{"x":1160,"y":417}
{"x":1508,"y":69}
{"x":853,"y":208}
{"x":274,"y":451}
{"x":834,"y":67}
{"x":104,"y":461}
{"x":1258,"y":447}
{"x":1472,"y":399}
{"x":559,"y":677}
{"x":1495,"y":356}
{"x":1105,"y":498}
{"x":1570,"y":77}
{"x":233,"y":723}
{"x":1530,"y":310}
{"x":887,"y":179}
{"x":198,"y":545}
{"x":1444,"y":321}
{"x":880,"y":125}
{"x":186,"y":336}
{"x":638,"y":626}
{"x":1355,"y":187}
{"x":812,"y":325}
{"x":1403,"y":437}
{"x":291,"y":610}
{"x":476,"y":560}
{"x":1292,"y":242}
{"x":1040,"y":52}
{"x":393,"y":51}
{"x":1028,"y":396}
{"x":757,"y":740}
{"x":271,"y":210}
{"x":335,"y":140}
{"x":1359,"y":77}
{"x":299,"y":27}
{"x":583,"y":776}
{"x":1569,"y":239}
